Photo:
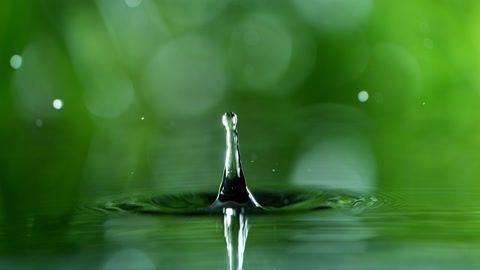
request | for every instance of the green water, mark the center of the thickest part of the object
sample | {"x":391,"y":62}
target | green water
{"x":398,"y":234}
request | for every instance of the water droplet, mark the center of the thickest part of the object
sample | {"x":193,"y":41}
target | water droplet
{"x":131,"y":173}
{"x":58,"y":104}
{"x":16,"y":61}
{"x":363,"y":96}
{"x":423,"y":103}
{"x":39,"y":123}
{"x":143,"y":118}
{"x":273,"y":170}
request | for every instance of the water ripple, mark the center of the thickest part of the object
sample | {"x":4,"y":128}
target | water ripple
{"x":297,"y":200}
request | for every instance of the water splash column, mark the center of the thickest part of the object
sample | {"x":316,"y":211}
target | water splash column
{"x":234,"y":196}
{"x":233,"y":191}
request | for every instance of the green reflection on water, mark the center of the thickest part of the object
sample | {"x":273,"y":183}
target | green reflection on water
{"x":397,"y":233}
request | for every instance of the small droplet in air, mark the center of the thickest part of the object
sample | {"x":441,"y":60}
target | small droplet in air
{"x":58,"y":104}
{"x":16,"y":61}
{"x":363,"y":96}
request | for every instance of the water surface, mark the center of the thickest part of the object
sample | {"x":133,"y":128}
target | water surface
{"x":397,"y":233}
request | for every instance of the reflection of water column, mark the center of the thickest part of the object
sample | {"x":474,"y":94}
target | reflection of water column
{"x":236,"y":232}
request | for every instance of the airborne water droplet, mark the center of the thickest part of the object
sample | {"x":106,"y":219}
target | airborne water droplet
{"x":16,"y":61}
{"x":363,"y":96}
{"x":57,"y":104}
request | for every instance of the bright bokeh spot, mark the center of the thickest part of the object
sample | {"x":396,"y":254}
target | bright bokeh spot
{"x":333,"y":16}
{"x":188,"y":14}
{"x":58,"y":104}
{"x":260,"y":50}
{"x":133,"y":3}
{"x":34,"y":90}
{"x":340,"y":162}
{"x":108,"y":90}
{"x":303,"y":57}
{"x":138,"y":30}
{"x":363,"y":96}
{"x":109,"y":96}
{"x":337,"y":152}
{"x":186,"y":77}
{"x":16,"y":61}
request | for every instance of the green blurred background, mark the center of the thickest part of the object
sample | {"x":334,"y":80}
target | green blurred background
{"x":108,"y":97}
